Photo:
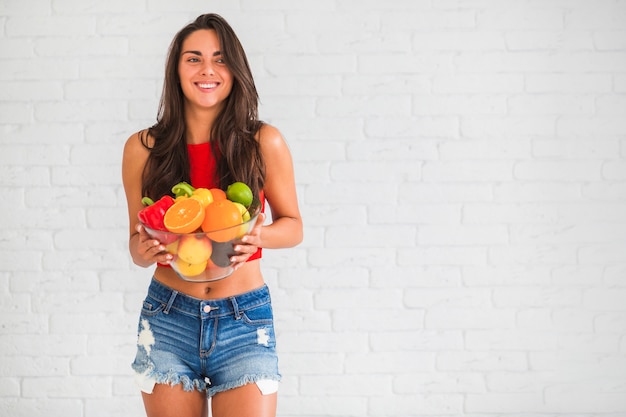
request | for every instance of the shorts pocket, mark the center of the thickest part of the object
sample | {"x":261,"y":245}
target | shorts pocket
{"x":261,"y":315}
{"x":151,"y":307}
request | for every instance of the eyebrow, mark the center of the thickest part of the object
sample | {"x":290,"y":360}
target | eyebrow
{"x":216,"y":53}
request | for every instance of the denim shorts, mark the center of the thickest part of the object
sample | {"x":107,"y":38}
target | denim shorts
{"x":206,"y":345}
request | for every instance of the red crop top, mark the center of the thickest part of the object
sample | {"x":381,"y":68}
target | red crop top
{"x":202,"y":172}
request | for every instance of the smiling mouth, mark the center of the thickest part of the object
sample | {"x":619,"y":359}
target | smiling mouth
{"x":207,"y":85}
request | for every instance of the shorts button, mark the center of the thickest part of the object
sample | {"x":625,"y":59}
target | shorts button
{"x":207,"y":309}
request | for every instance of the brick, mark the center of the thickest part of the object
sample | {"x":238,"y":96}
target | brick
{"x":363,"y":42}
{"x":122,"y":405}
{"x":50,"y":26}
{"x":606,"y":18}
{"x":73,"y":111}
{"x":551,"y":104}
{"x":549,"y":39}
{"x":468,"y":318}
{"x":470,"y":235}
{"x":373,"y":319}
{"x":406,"y":277}
{"x":35,"y":155}
{"x":505,"y":403}
{"x":349,"y":385}
{"x":568,"y":83}
{"x":381,"y":363}
{"x":406,"y":130}
{"x":442,"y":256}
{"x":440,"y":383}
{"x":30,"y":91}
{"x":430,"y":404}
{"x":9,"y":387}
{"x":516,"y":18}
{"x":41,"y":406}
{"x":419,"y":341}
{"x":469,"y":171}
{"x":458,"y":41}
{"x":558,"y":170}
{"x":479,"y":83}
{"x":389,"y":105}
{"x":82,"y":46}
{"x":487,"y":127}
{"x":432,"y":298}
{"x":66,"y":387}
{"x":323,"y":405}
{"x":492,"y":360}
{"x":446,"y":192}
{"x":576,"y":149}
{"x":539,"y":191}
{"x":447,"y":214}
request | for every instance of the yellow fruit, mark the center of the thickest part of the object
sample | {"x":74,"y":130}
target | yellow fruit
{"x":245,"y":214}
{"x":172,"y":247}
{"x":203,"y":195}
{"x":194,"y":249}
{"x":187,"y":269}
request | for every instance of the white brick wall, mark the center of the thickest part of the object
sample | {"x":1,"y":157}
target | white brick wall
{"x":461,"y":167}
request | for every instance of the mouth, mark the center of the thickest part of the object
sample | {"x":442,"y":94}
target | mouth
{"x":207,"y":85}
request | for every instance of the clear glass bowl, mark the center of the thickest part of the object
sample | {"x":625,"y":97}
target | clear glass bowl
{"x":205,"y":256}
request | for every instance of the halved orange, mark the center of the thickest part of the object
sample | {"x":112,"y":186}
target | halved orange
{"x":184,"y":216}
{"x":220,"y":215}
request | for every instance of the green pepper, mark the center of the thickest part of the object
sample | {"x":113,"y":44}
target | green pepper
{"x":183,"y":189}
{"x":152,"y":216}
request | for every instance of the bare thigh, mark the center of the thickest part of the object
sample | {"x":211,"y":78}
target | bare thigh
{"x":167,"y":401}
{"x":244,"y":401}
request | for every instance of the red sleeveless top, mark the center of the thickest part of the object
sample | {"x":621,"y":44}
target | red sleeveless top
{"x":203,"y":173}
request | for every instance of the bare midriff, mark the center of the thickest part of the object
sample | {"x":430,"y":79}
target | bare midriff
{"x":248,"y":277}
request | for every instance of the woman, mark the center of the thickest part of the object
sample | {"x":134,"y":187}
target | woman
{"x":212,"y":339}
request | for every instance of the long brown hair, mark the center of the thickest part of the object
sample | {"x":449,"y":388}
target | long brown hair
{"x":232,"y":134}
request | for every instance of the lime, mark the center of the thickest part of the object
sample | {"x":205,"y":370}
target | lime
{"x":239,"y":192}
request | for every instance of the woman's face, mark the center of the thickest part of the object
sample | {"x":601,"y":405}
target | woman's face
{"x":205,"y":79}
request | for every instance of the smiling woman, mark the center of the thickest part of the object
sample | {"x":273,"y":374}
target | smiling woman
{"x":213,"y":339}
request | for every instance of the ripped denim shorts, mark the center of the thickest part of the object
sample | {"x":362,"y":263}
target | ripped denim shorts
{"x":207,"y":345}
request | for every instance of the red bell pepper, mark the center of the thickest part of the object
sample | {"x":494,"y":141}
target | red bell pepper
{"x":152,"y":216}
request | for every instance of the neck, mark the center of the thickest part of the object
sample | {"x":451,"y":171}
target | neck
{"x":199,"y":124}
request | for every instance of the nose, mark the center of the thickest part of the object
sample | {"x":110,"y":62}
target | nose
{"x":207,"y":69}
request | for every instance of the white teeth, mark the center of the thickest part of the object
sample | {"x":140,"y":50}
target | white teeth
{"x":209,"y":85}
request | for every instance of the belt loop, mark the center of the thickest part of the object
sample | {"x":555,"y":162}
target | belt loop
{"x":170,"y":302}
{"x":233,"y":301}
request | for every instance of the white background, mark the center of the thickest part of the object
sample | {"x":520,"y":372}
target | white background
{"x":461,"y":169}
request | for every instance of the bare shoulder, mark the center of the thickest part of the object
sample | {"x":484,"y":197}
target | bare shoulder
{"x":138,"y":144}
{"x":270,"y":139}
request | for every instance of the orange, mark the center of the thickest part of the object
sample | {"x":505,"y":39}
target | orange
{"x":184,"y":216}
{"x":218,"y":194}
{"x":221,"y":214}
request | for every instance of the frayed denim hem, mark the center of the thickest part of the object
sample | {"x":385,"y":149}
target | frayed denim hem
{"x":246,"y":379}
{"x":147,"y":378}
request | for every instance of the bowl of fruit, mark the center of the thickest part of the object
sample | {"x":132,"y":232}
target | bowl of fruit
{"x":199,"y":227}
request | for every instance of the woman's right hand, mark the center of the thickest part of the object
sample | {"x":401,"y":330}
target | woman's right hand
{"x":150,"y":250}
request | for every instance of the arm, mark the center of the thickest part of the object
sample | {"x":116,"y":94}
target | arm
{"x":143,"y":250}
{"x":280,"y":191}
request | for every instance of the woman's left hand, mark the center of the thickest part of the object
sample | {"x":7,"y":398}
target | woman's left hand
{"x":249,"y":244}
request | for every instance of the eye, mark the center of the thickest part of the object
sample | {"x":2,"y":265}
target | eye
{"x":193,"y":59}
